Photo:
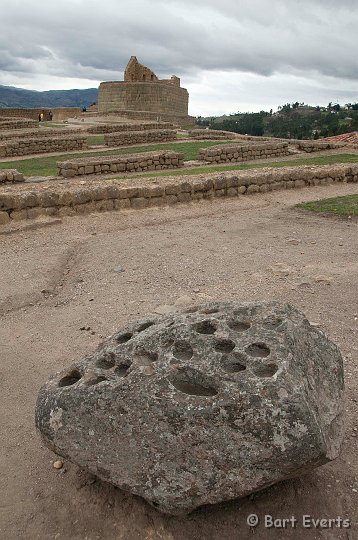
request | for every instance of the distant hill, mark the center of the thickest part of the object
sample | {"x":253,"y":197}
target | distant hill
{"x":18,"y":97}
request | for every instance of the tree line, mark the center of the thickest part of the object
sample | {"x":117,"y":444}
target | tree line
{"x":292,"y":120}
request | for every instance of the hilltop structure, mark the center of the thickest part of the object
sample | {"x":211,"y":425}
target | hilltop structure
{"x":143,"y":96}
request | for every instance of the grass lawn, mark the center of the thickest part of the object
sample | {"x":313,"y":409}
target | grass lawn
{"x":342,"y":206}
{"x":95,"y":139}
{"x":46,"y":166}
{"x":322,"y":160}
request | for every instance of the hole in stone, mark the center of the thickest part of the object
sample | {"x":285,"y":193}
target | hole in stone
{"x":266,"y":370}
{"x":106,"y":362}
{"x":235,"y":367}
{"x":145,"y":357}
{"x":70,"y":379}
{"x":233,"y":363}
{"x":205,"y":327}
{"x":239,"y":326}
{"x":96,"y":380}
{"x":224,"y":346}
{"x":182,"y":350}
{"x":144,"y":326}
{"x":123,"y":338}
{"x":193,"y":388}
{"x":122,"y":370}
{"x":259,"y":350}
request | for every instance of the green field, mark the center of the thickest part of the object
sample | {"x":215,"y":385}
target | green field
{"x":322,"y":160}
{"x":46,"y":166}
{"x":341,"y":206}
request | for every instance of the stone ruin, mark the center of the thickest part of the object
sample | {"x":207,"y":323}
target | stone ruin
{"x":200,"y":406}
{"x":143,"y":96}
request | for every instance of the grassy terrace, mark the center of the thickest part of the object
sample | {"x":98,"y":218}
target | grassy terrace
{"x":46,"y":165}
{"x":319,"y":160}
{"x":341,"y":206}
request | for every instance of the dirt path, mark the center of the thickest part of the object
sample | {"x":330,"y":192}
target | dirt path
{"x":56,"y":280}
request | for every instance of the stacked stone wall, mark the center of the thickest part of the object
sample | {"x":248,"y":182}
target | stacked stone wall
{"x":317,"y":146}
{"x":10,"y":176}
{"x":242,"y":152}
{"x":211,"y":134}
{"x":38,"y":133}
{"x":72,"y":198}
{"x":58,"y":113}
{"x":116,"y":128}
{"x":145,"y":161}
{"x":143,"y":96}
{"x":24,"y":147}
{"x":17,"y":123}
{"x":137,"y":137}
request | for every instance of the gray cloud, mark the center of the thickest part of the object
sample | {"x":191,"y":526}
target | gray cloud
{"x":87,"y":40}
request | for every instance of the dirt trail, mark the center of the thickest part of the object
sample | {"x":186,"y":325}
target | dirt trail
{"x":56,"y":280}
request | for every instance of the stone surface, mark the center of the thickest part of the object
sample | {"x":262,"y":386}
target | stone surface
{"x":200,"y":406}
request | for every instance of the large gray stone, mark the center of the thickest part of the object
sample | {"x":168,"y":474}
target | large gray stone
{"x":200,"y":406}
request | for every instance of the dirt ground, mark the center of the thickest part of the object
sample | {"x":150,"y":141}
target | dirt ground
{"x":56,"y":280}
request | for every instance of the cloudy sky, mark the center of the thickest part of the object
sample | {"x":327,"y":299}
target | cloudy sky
{"x":232,"y":55}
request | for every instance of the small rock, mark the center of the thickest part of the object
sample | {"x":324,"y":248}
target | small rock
{"x":323,"y":279}
{"x":293,"y":241}
{"x":118,"y":269}
{"x":58,"y":464}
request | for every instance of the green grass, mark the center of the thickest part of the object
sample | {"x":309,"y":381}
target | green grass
{"x":323,"y":160}
{"x":341,"y":206}
{"x":46,"y":166}
{"x":95,"y":139}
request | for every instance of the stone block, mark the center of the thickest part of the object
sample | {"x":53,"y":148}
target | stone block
{"x":255,"y":397}
{"x":4,"y":218}
{"x":139,"y":202}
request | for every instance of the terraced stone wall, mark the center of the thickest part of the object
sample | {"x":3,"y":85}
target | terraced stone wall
{"x":10,"y":176}
{"x":242,"y":152}
{"x":27,"y":147}
{"x":38,"y":133}
{"x":17,"y":123}
{"x":145,"y":161}
{"x":117,"y":128}
{"x":137,"y":137}
{"x":71,"y":198}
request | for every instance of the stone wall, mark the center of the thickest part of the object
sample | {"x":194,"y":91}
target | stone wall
{"x":234,"y":153}
{"x":116,"y":128}
{"x":17,"y":123}
{"x":38,"y":133}
{"x":211,"y":134}
{"x":316,"y":146}
{"x":11,"y":176}
{"x":58,"y":113}
{"x":72,"y":198}
{"x":145,"y":161}
{"x":143,"y":96}
{"x":136,"y":137}
{"x":24,"y":147}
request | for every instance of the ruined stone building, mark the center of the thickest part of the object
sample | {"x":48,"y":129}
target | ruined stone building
{"x":143,"y":96}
